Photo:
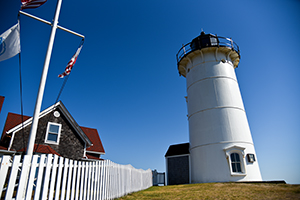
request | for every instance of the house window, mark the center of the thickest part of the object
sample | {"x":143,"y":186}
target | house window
{"x":53,"y":133}
{"x":235,"y":162}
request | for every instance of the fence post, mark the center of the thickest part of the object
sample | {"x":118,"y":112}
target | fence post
{"x":88,"y":181}
{"x":46,"y":177}
{"x":69,"y":177}
{"x":78,"y":181}
{"x":53,"y":177}
{"x":39,"y":177}
{"x":101,"y":180}
{"x":74,"y":180}
{"x":59,"y":175}
{"x":64,"y":180}
{"x":32,"y":173}
{"x":82,"y":186}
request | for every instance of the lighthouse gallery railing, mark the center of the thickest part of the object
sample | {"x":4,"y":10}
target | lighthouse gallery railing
{"x":220,"y":42}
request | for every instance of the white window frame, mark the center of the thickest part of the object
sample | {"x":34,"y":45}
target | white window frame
{"x":58,"y":135}
{"x":240,"y":151}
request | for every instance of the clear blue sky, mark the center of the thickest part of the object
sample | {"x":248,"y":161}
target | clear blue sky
{"x":126,"y":85}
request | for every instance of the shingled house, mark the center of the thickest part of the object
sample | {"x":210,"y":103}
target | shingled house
{"x":58,"y":133}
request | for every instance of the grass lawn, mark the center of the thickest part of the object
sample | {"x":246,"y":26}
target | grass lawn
{"x":219,"y":191}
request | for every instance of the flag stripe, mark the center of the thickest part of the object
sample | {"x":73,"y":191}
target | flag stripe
{"x":32,"y":3}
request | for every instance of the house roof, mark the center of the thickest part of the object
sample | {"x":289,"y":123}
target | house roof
{"x":12,"y":120}
{"x":178,"y":149}
{"x":94,"y":137}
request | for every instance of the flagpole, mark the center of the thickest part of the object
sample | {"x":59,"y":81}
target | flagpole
{"x":40,"y":94}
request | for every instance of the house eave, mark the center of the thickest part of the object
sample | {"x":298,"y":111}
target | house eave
{"x":7,"y":152}
{"x":75,"y":125}
{"x":96,"y":152}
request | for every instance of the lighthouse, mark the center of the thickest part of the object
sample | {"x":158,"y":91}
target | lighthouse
{"x":221,"y":148}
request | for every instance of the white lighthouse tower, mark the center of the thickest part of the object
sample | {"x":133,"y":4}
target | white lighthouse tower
{"x":221,"y":146}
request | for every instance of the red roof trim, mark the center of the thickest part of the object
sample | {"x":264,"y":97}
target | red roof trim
{"x":41,"y":148}
{"x":3,"y":148}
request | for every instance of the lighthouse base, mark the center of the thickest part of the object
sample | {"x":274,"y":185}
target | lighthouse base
{"x":224,"y":162}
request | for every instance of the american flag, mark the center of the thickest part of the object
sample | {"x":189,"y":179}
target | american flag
{"x":71,"y":63}
{"x":32,"y":3}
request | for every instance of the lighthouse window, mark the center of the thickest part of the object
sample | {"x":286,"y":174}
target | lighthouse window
{"x":213,"y":41}
{"x":53,"y":133}
{"x":235,"y":162}
{"x":235,"y":156}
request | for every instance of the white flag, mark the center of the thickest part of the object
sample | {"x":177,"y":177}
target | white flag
{"x":10,"y":43}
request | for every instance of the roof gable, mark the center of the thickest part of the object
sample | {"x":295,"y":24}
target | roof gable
{"x":15,"y":124}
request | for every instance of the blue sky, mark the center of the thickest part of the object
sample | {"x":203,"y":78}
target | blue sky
{"x":126,"y":85}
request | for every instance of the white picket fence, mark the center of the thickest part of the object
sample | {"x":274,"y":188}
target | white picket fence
{"x":53,"y":177}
